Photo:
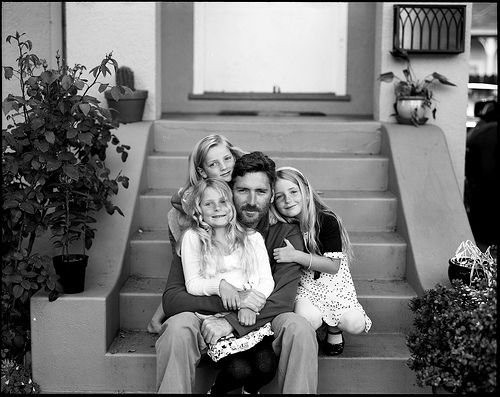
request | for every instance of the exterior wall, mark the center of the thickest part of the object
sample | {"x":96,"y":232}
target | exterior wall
{"x":451,"y":102}
{"x":177,"y":67}
{"x":130,"y":30}
{"x":41,"y":21}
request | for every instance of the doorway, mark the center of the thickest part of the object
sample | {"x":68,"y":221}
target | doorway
{"x":266,"y":47}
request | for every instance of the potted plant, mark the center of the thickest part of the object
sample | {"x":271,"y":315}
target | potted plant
{"x":125,"y":99}
{"x":413,"y":96}
{"x":453,"y":342}
{"x":54,"y":158}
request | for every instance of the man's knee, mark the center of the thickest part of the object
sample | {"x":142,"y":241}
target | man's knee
{"x":293,"y":327}
{"x":181,"y":328}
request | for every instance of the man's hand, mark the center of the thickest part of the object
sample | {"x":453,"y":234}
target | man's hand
{"x":285,"y":254}
{"x":247,"y":317}
{"x":214,"y":328}
{"x":252,"y":299}
{"x":229,"y":295}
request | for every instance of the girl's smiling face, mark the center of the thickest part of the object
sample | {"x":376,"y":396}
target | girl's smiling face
{"x":215,"y":210}
{"x":287,"y":198}
{"x":219,"y":163}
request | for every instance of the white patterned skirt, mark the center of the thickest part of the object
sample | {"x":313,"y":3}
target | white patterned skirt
{"x":332,"y":294}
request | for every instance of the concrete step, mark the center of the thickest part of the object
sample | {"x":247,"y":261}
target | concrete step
{"x":323,"y":136}
{"x":359,"y":210}
{"x":378,"y":255}
{"x":385,"y":302}
{"x":376,"y":361}
{"x":325,"y":171}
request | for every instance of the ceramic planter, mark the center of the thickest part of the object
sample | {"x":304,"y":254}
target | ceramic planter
{"x":411,"y":110}
{"x":462,"y":271}
{"x":71,"y":271}
{"x":129,"y":108}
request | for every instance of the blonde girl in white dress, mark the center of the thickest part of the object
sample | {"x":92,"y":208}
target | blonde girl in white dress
{"x":326,"y":292}
{"x":212,"y":157}
{"x":220,"y":257}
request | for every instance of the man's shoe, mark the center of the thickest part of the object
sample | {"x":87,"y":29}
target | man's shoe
{"x":333,"y":349}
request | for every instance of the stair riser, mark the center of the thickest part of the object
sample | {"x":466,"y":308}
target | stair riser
{"x":323,"y":173}
{"x":335,"y":376}
{"x":357,"y":214}
{"x":388,"y":314}
{"x":373,"y":261}
{"x":362,"y":138}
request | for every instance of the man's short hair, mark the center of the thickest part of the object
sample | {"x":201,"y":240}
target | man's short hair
{"x":254,"y":162}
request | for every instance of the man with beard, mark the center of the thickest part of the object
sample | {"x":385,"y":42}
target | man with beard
{"x":185,"y":335}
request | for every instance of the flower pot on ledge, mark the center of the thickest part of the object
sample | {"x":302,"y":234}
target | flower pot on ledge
{"x":71,"y":271}
{"x":129,"y":108}
{"x":411,"y":110}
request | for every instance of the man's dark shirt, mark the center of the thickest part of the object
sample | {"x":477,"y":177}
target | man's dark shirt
{"x":286,"y":276}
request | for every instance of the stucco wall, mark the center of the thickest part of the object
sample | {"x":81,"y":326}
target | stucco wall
{"x":41,"y":21}
{"x":130,"y":30}
{"x":451,"y":102}
{"x":177,"y":66}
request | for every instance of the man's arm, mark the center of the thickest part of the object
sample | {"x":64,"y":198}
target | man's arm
{"x":177,"y":300}
{"x":286,"y":277}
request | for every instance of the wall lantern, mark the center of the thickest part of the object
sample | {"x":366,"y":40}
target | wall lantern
{"x":429,"y":29}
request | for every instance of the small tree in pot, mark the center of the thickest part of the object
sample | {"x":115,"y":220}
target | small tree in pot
{"x":54,"y":154}
{"x":125,"y":99}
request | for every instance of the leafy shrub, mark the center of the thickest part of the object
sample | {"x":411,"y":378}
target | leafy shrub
{"x":453,"y":343}
{"x":16,"y":379}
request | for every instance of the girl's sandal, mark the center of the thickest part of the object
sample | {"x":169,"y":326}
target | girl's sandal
{"x":333,"y":349}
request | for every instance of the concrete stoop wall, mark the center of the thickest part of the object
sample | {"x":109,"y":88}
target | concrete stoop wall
{"x":97,"y":340}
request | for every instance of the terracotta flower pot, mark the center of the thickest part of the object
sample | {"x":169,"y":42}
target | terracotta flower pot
{"x":129,"y":108}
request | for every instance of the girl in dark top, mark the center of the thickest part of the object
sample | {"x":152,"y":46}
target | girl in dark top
{"x":326,"y":291}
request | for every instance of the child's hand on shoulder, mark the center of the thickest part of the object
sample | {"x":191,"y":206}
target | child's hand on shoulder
{"x":285,"y":254}
{"x":229,"y":295}
{"x":247,"y":316}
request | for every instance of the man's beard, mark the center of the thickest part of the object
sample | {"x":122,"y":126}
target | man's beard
{"x":254,"y":218}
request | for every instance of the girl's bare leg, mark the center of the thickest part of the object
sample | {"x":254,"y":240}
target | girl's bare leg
{"x":157,"y":320}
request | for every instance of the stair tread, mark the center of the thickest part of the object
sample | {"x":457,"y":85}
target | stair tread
{"x":365,"y":288}
{"x":380,"y":238}
{"x":324,"y":193}
{"x":285,"y":154}
{"x":366,"y":345}
{"x":188,"y":118}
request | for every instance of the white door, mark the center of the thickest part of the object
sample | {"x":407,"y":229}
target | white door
{"x":270,"y":47}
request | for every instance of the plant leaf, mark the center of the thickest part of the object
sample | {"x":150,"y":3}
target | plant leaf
{"x":7,"y":106}
{"x":442,"y":79}
{"x":66,"y":82}
{"x":79,"y":84}
{"x":8,"y":72}
{"x":115,"y":93}
{"x":17,"y":291}
{"x":85,"y":137}
{"x":27,"y":207}
{"x":53,"y":165}
{"x":50,"y":137}
{"x":387,"y":77}
{"x":103,"y":87}
{"x":85,"y":108}
{"x":71,"y":171}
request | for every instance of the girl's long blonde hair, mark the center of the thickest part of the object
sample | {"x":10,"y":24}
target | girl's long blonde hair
{"x":236,"y":234}
{"x":309,"y":218}
{"x":199,"y":154}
